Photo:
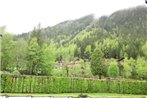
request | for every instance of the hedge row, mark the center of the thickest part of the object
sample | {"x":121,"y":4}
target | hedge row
{"x":44,"y":84}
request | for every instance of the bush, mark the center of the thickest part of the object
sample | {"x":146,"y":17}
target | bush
{"x":60,"y":72}
{"x":45,"y":84}
{"x":113,"y":70}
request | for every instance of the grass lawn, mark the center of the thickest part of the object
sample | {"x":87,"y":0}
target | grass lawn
{"x":76,"y":95}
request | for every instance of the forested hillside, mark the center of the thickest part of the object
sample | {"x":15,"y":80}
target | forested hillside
{"x":110,"y":46}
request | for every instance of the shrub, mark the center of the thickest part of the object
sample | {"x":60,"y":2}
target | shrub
{"x":45,"y":84}
{"x":113,"y":70}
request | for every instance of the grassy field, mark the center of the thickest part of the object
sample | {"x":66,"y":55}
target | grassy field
{"x":108,"y":95}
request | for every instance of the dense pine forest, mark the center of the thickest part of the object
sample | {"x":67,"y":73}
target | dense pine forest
{"x":112,"y":46}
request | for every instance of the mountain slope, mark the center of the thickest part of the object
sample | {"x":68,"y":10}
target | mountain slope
{"x":63,"y":31}
{"x":127,"y":28}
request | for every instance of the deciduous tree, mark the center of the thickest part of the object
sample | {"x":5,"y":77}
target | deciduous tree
{"x":33,"y":56}
{"x":113,"y":70}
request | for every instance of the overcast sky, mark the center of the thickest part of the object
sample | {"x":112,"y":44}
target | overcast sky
{"x":21,"y":16}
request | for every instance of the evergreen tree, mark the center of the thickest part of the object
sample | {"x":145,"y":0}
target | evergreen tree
{"x":97,"y":65}
{"x":37,"y":33}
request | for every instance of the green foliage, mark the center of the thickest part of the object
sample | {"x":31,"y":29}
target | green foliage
{"x":141,"y":68}
{"x":97,"y":65}
{"x":44,"y":84}
{"x":128,"y":67}
{"x":113,"y":70}
{"x":110,"y":47}
{"x":88,"y":52}
{"x":33,"y":56}
{"x":37,"y":33}
{"x":7,"y":55}
{"x":114,"y":86}
{"x":60,"y":72}
{"x":3,"y":81}
{"x":47,"y":59}
{"x":20,"y":50}
{"x":76,"y":71}
{"x":80,"y":69}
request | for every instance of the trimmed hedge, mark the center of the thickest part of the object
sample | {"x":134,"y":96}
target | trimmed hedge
{"x":44,"y":84}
